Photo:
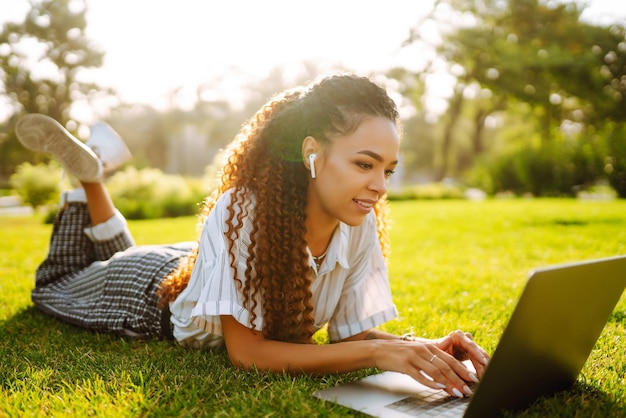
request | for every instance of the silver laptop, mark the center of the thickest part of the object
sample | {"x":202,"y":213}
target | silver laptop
{"x":547,"y":340}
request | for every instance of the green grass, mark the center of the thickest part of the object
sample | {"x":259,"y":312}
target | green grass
{"x":454,"y":265}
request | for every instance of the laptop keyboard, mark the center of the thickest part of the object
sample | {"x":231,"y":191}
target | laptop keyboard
{"x":431,"y":403}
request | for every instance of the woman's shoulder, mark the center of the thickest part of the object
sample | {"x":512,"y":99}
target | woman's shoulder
{"x":232,"y":203}
{"x":241,"y":198}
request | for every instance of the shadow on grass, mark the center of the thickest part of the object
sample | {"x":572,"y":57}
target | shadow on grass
{"x":61,"y":367}
{"x":582,"y":400}
{"x":574,"y":221}
{"x":35,"y":344}
{"x":617,"y":316}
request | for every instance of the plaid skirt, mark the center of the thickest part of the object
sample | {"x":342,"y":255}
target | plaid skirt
{"x":107,"y":286}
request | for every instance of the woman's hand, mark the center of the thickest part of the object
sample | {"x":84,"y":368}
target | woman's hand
{"x":436,"y":363}
{"x":461,"y":346}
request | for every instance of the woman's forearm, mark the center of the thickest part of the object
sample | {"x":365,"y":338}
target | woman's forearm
{"x":277,"y":356}
{"x":250,"y":349}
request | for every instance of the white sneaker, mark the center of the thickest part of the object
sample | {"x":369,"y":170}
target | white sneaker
{"x":108,"y":146}
{"x":42,"y":133}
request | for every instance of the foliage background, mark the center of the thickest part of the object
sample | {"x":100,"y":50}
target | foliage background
{"x":536,"y":106}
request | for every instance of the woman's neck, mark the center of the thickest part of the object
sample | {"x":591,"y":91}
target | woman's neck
{"x":319,"y":233}
{"x":320,"y":225}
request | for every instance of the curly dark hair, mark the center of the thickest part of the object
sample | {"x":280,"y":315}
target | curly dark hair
{"x":265,"y":160}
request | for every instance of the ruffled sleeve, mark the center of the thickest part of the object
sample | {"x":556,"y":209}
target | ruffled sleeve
{"x":213,"y":290}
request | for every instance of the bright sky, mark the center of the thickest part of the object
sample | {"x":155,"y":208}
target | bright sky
{"x":201,"y":39}
{"x":155,"y":46}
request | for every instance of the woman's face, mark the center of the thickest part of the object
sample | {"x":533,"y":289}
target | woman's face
{"x":353,"y":172}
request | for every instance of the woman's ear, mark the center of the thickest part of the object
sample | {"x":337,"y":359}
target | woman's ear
{"x":310,"y":147}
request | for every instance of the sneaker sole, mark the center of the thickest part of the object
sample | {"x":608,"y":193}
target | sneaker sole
{"x":43,"y":134}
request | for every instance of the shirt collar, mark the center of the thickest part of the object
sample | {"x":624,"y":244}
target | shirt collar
{"x":337,"y":250}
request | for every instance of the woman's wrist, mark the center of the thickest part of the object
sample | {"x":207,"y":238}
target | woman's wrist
{"x":375,"y":351}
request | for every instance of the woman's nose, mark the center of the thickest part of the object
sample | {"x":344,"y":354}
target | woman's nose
{"x":379,"y":183}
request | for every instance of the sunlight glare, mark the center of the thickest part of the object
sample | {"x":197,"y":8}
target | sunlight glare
{"x":166,"y":53}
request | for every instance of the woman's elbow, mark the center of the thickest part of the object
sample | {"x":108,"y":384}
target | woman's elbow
{"x":249,"y":359}
{"x":239,"y":359}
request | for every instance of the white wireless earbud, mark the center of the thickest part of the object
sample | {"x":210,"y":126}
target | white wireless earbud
{"x":312,"y":158}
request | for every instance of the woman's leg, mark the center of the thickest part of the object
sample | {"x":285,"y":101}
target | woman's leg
{"x":88,"y":227}
{"x":70,"y":250}
{"x":99,"y":202}
{"x":94,"y":276}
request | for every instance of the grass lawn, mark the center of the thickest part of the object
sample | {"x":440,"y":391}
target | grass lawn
{"x":454,"y":265}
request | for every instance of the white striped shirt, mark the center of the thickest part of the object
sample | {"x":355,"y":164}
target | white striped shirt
{"x":350,"y":292}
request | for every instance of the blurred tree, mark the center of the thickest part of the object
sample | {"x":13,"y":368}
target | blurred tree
{"x":185,"y":142}
{"x":615,"y":162}
{"x":567,"y":73}
{"x":542,"y":54}
{"x":40,"y":61}
{"x":418,"y":144}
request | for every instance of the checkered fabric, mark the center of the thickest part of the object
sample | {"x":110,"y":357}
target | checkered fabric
{"x":107,"y":286}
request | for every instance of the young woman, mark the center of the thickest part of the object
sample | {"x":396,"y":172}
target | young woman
{"x":293,"y":239}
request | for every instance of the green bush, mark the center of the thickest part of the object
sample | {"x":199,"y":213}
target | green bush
{"x":149,"y":193}
{"x":37,"y":185}
{"x":138,"y":194}
{"x":428,"y":191}
{"x":556,"y":168}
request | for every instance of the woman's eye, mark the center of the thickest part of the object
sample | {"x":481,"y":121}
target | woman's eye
{"x":365,"y":166}
{"x":388,"y":173}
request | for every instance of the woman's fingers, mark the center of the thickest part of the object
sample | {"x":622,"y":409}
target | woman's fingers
{"x":438,"y":364}
{"x":439,"y":370}
{"x":450,"y":373}
{"x":461,"y":345}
